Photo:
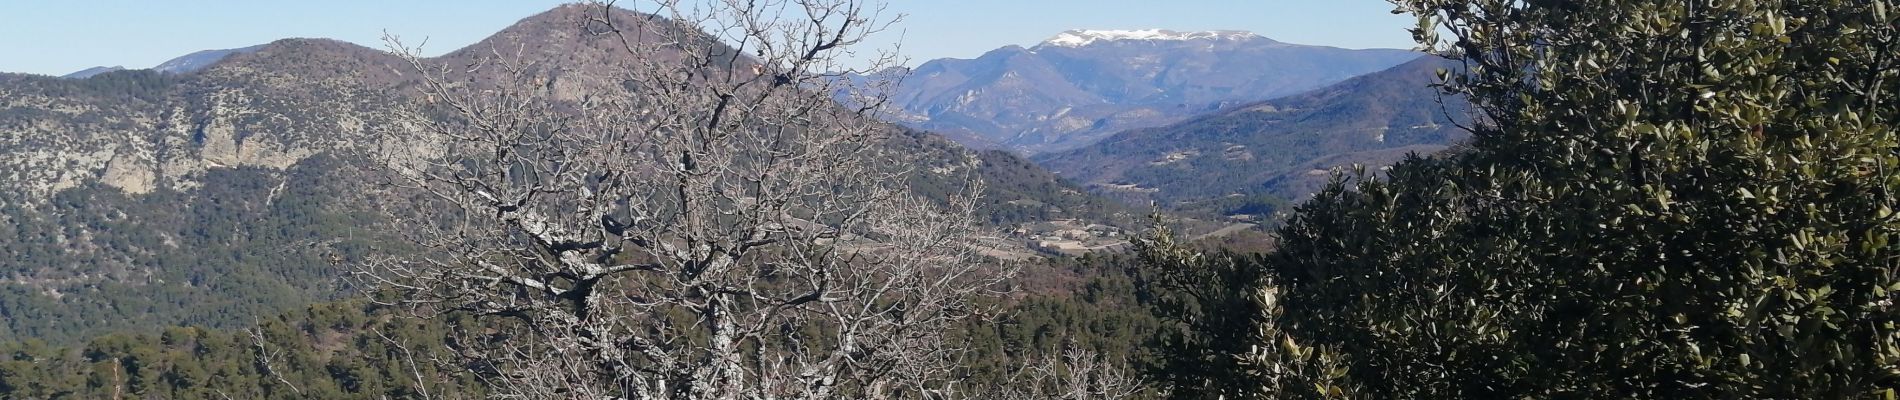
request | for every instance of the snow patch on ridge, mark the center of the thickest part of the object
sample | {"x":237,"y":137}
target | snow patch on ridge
{"x":1084,"y":37}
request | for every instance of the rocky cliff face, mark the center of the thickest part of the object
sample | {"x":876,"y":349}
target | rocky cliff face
{"x":265,"y":106}
{"x":140,"y":130}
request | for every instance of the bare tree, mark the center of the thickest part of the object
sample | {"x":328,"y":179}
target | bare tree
{"x":1075,"y":374}
{"x":266,"y":357}
{"x":701,"y":221}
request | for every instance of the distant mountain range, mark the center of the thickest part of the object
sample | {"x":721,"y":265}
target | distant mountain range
{"x":183,"y":64}
{"x":1083,"y":85}
{"x":89,"y":72}
{"x":1286,"y":146}
{"x":199,"y":60}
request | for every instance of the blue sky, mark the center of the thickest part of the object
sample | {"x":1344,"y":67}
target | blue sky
{"x":55,"y":37}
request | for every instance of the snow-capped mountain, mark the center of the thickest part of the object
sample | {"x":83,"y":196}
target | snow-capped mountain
{"x":1083,"y":85}
{"x":1084,"y":37}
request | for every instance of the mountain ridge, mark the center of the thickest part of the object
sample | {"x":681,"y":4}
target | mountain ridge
{"x":1085,"y":37}
{"x":1284,"y":146}
{"x":1054,"y":97}
{"x":89,"y":72}
{"x":185,"y":64}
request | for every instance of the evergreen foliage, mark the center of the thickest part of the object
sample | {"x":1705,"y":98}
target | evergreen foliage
{"x":329,"y":351}
{"x":248,"y":243}
{"x":1667,"y":200}
{"x":351,"y":350}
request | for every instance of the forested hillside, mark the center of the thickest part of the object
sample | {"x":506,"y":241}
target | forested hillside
{"x":249,"y":243}
{"x":352,"y":350}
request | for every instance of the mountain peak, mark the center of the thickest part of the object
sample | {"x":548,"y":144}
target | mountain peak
{"x":567,"y":31}
{"x":89,"y":72}
{"x":199,"y":60}
{"x":1084,"y":37}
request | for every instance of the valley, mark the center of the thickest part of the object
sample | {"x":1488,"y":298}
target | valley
{"x":726,"y":200}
